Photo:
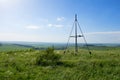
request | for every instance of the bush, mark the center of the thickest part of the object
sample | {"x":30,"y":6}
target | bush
{"x":48,"y":57}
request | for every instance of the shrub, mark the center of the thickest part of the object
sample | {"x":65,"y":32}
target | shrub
{"x":48,"y":57}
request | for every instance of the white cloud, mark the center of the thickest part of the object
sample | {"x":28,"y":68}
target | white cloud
{"x":28,"y":37}
{"x":55,"y":25}
{"x":32,"y":27}
{"x":17,"y":37}
{"x":60,"y":18}
{"x":50,"y":25}
{"x":110,"y":32}
{"x":103,"y":37}
{"x":94,"y":37}
{"x":31,"y":38}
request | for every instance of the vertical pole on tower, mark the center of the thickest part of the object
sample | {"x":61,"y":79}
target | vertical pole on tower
{"x":76,"y":45}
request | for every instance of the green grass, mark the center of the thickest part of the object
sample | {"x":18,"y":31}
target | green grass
{"x":11,"y":47}
{"x":101,"y":65}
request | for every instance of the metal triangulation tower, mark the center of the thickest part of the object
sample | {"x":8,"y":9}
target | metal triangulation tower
{"x":76,"y":25}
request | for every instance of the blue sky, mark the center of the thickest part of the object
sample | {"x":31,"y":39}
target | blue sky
{"x":51,"y":20}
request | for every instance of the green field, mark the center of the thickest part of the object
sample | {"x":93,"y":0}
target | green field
{"x":11,"y":47}
{"x":102,"y":64}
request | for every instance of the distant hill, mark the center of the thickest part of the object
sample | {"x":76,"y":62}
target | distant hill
{"x":8,"y":46}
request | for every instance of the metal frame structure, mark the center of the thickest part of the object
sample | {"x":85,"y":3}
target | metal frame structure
{"x":77,"y":25}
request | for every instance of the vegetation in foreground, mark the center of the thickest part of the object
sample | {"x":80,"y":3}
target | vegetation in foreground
{"x":50,"y":64}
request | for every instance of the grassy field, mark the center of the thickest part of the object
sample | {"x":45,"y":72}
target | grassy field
{"x":102,"y":64}
{"x":11,"y":47}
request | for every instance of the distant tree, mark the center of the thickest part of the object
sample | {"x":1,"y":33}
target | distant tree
{"x":0,"y":44}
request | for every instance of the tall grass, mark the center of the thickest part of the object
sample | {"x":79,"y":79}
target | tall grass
{"x":101,"y":65}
